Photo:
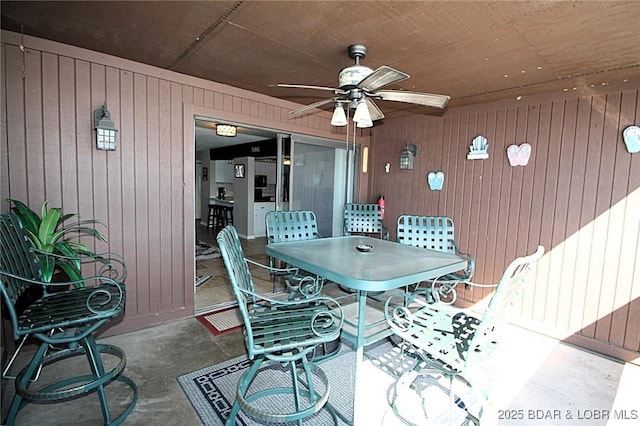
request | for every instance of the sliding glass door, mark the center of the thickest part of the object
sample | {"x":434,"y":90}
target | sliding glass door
{"x":321,"y":180}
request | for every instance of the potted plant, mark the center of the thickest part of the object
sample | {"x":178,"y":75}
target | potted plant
{"x":51,"y":234}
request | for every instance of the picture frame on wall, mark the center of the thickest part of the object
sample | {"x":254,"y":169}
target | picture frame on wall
{"x":239,"y":170}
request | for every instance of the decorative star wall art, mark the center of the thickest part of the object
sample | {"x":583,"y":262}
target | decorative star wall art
{"x":519,"y":155}
{"x":436,"y":180}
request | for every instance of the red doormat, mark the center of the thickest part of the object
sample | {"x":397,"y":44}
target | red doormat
{"x":221,"y":321}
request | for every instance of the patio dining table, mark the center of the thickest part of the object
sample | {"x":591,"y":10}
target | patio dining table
{"x":388,"y":266}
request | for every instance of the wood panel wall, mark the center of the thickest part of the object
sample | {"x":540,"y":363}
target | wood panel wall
{"x":579,"y":197}
{"x":143,"y":192}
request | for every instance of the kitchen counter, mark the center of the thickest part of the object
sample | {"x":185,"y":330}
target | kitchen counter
{"x":219,"y":202}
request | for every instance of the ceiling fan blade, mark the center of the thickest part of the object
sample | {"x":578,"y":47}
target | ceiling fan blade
{"x":312,"y":106}
{"x":381,"y":77}
{"x":427,"y":99}
{"x":303,"y":86}
{"x":374,"y":111}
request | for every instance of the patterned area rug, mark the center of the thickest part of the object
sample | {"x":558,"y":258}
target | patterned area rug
{"x":205,"y":251}
{"x":222,"y":321}
{"x":211,"y":391}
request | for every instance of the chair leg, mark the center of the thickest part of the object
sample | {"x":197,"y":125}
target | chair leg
{"x":76,"y":386}
{"x":22,"y":380}
{"x":302,"y":389}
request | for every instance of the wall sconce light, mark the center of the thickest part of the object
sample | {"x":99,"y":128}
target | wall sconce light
{"x":407,"y":156}
{"x":106,"y":131}
{"x":226,"y":130}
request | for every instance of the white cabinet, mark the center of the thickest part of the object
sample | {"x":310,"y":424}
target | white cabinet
{"x":224,"y":171}
{"x":259,"y":212}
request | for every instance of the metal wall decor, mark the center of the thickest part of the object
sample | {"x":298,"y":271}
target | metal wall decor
{"x":436,"y":180}
{"x":519,"y":155}
{"x":631,"y":136}
{"x":478,"y":150}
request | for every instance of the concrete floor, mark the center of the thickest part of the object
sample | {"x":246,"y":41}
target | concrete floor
{"x":534,"y":380}
{"x":541,"y":381}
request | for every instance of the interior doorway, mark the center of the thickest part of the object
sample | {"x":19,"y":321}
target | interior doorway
{"x":320,"y":184}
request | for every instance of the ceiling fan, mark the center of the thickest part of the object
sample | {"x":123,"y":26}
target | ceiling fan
{"x":358,"y":87}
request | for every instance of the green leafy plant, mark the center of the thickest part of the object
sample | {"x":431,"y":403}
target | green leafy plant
{"x":56,"y":241}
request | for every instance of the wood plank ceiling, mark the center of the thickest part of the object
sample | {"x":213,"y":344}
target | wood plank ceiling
{"x":475,"y":52}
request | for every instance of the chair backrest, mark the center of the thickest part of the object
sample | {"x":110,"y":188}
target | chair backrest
{"x":291,"y":225}
{"x":17,"y":259}
{"x":429,"y":232}
{"x":363,"y":219}
{"x":240,"y":276}
{"x":513,"y":280}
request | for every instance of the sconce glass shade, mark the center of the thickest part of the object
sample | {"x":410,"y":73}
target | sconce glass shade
{"x":339,"y":117}
{"x":361,"y":117}
{"x":226,"y":130}
{"x":406,"y":159}
{"x":106,"y":132}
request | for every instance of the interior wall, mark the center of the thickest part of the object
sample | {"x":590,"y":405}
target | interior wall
{"x":578,"y":196}
{"x":144,"y":190}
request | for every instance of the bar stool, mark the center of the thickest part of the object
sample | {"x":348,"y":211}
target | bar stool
{"x":228,"y":216}
{"x":211,"y":216}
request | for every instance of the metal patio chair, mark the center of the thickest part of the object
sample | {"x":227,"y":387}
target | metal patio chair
{"x":66,"y":320}
{"x":364,"y":219}
{"x":293,"y":225}
{"x":279,"y":332}
{"x":436,"y":233}
{"x":454,"y":342}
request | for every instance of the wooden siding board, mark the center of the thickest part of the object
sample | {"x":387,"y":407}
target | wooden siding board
{"x":536,"y":227}
{"x":141,"y":183}
{"x":84,"y":154}
{"x":114,"y":169}
{"x":33,"y":129}
{"x":588,"y":215}
{"x":154,"y":198}
{"x":548,"y":264}
{"x":126,"y":137}
{"x":161,"y":297}
{"x":562,"y":253}
{"x":616,"y":167}
{"x":572,"y":261}
{"x":51,"y":122}
{"x":99,"y":158}
{"x":176,"y":293}
{"x":4,"y":143}
{"x":608,"y":252}
{"x":523,"y":243}
{"x":68,"y":113}
{"x":16,"y":153}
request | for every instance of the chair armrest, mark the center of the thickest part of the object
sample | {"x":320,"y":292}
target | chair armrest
{"x":306,"y":284}
{"x":332,"y":317}
{"x":471,"y":262}
{"x":95,"y":300}
{"x":399,"y":315}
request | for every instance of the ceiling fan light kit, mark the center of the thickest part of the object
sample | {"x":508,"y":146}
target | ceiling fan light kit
{"x":358,"y":87}
{"x":339,"y":117}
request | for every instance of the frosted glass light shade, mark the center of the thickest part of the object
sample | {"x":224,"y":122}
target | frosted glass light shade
{"x":339,"y":118}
